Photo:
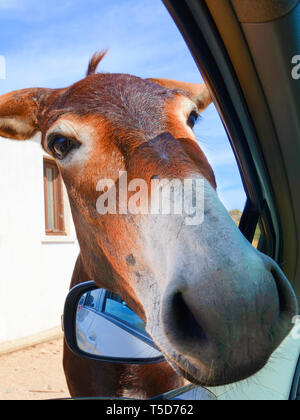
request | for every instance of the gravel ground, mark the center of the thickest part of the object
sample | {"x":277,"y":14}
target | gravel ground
{"x":35,"y":373}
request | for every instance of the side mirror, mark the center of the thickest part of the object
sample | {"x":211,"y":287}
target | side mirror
{"x":99,"y":325}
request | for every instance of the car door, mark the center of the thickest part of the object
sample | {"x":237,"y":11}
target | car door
{"x":248,"y":54}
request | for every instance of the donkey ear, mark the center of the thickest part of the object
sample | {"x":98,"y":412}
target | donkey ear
{"x":198,"y":92}
{"x":19,"y":112}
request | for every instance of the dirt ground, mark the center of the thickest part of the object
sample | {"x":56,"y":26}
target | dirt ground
{"x":35,"y":373}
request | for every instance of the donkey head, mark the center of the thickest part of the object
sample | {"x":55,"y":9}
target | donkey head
{"x":215,"y":306}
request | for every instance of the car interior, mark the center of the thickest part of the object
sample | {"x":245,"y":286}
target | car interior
{"x":244,"y":51}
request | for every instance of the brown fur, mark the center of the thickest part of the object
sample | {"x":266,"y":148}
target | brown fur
{"x":95,"y":61}
{"x":129,"y":114}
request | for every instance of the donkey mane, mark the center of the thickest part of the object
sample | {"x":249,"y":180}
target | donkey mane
{"x":95,"y":61}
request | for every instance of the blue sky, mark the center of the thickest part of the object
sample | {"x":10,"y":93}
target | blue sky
{"x":48,"y":44}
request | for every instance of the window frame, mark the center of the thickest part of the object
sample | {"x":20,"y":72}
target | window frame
{"x":59,"y":208}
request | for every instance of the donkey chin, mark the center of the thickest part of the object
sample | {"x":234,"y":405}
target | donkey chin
{"x":224,"y":307}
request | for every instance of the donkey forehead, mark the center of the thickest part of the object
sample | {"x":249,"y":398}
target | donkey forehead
{"x":119,"y":98}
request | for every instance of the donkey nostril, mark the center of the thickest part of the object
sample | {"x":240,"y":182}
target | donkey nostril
{"x":184,"y":321}
{"x":281,"y":297}
{"x":287,"y":300}
{"x":284,"y":293}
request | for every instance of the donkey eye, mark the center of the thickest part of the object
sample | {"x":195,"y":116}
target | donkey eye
{"x":192,"y":119}
{"x":61,"y":146}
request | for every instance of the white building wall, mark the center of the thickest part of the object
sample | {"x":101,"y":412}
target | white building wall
{"x":35,"y":270}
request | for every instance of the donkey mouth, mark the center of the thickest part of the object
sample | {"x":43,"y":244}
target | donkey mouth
{"x":217,"y":374}
{"x":205,"y":361}
{"x":212,"y":341}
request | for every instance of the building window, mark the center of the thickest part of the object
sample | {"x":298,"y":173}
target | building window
{"x":54,"y":206}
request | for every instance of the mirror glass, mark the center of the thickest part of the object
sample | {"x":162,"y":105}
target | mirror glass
{"x":107,"y":327}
